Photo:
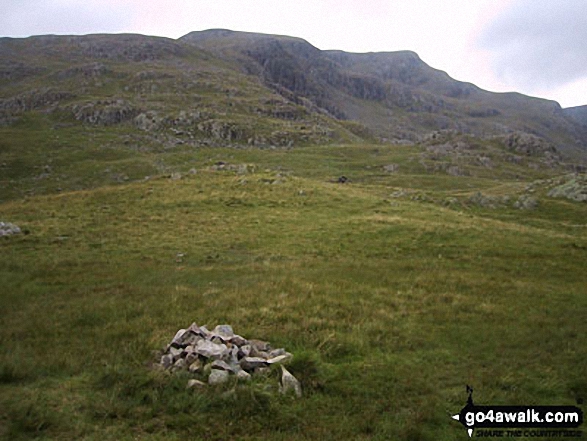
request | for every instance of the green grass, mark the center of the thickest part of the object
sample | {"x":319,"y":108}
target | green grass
{"x":389,"y":305}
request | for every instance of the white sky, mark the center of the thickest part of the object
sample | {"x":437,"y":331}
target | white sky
{"x":536,"y":47}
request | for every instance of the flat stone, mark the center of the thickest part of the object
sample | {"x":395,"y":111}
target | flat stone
{"x":222,"y":365}
{"x":184,"y":338}
{"x":217,"y":377}
{"x":250,"y":363}
{"x":289,"y":383}
{"x":260,"y":354}
{"x":277,"y":352}
{"x":195,"y":384}
{"x":280,"y":358}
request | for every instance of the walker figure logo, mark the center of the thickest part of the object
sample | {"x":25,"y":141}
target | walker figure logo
{"x":562,"y":418}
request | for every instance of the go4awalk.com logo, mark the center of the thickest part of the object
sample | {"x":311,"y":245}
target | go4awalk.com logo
{"x":516,"y":421}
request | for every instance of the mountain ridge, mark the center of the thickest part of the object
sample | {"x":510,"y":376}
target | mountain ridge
{"x":423,"y":98}
{"x":336,"y":95}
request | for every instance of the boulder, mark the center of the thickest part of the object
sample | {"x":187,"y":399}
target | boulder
{"x":209,"y":349}
{"x":289,"y":383}
{"x":217,"y":377}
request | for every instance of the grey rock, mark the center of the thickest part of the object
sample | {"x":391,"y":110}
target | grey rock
{"x":238,"y":340}
{"x":204,"y":331}
{"x":167,"y":361}
{"x":250,"y":363}
{"x":178,"y":335}
{"x":289,"y":383}
{"x":233,"y":358}
{"x":175,"y":352}
{"x":195,"y":384}
{"x":243,"y":375}
{"x":280,"y":359}
{"x":191,"y":357}
{"x":244,"y":351}
{"x":104,"y":112}
{"x":222,"y":365}
{"x":260,"y":345}
{"x":209,"y":349}
{"x":179,"y":365}
{"x":217,"y":339}
{"x":277,"y":352}
{"x":197,"y":330}
{"x":217,"y":377}
{"x":187,"y":338}
{"x":224,"y":331}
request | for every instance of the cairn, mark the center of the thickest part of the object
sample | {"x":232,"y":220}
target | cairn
{"x":219,"y":354}
{"x":8,"y":229}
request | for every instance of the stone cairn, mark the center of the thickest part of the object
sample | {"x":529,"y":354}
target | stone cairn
{"x":8,"y":229}
{"x":220,"y":354}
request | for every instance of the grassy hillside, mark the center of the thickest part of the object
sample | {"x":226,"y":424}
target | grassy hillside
{"x":392,"y":291}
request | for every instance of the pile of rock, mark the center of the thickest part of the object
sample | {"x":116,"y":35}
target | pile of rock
{"x":8,"y":229}
{"x":219,"y":354}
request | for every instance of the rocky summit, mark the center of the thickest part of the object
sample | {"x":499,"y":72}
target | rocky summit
{"x":220,"y":355}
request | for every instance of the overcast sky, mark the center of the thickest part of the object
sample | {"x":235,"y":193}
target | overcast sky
{"x":537,"y":47}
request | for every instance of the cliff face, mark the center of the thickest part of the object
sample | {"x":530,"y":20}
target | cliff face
{"x":394,"y":94}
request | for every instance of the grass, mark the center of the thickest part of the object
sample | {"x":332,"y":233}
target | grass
{"x":390,"y":305}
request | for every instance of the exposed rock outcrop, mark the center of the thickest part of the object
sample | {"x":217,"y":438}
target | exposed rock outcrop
{"x":104,"y":113}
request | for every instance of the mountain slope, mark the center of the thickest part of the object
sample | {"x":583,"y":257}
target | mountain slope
{"x":225,"y":88}
{"x":579,"y":114}
{"x":394,"y":94}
